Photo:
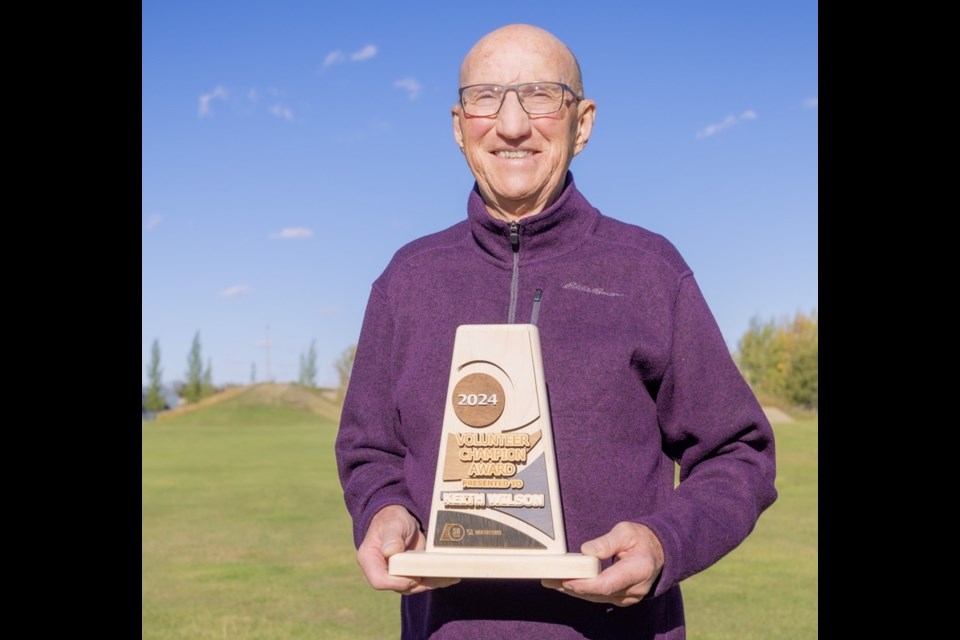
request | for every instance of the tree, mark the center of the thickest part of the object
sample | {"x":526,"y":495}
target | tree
{"x":802,"y":385}
{"x":155,"y":400}
{"x":207,"y":388}
{"x":761,"y":357}
{"x":308,"y":366}
{"x":781,"y":359}
{"x":193,"y":389}
{"x":344,"y":366}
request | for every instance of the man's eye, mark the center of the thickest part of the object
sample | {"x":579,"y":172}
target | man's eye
{"x":538,"y":92}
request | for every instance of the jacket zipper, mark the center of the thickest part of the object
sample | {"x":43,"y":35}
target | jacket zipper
{"x":515,"y":278}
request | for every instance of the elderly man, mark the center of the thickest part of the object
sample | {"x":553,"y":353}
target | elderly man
{"x":639,"y":376}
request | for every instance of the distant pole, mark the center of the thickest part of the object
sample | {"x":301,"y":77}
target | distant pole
{"x":266,"y":346}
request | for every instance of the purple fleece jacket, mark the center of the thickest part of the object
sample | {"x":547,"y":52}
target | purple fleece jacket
{"x":638,"y":378}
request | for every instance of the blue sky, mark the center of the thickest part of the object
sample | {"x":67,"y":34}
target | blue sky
{"x":290,"y":148}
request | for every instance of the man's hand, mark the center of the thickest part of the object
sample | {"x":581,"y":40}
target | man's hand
{"x":392,"y":530}
{"x":639,"y":561}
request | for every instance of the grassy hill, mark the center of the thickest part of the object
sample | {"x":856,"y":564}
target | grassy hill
{"x":250,"y":401}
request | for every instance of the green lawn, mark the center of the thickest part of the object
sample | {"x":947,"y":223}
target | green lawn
{"x":768,"y":586}
{"x":244,"y":535}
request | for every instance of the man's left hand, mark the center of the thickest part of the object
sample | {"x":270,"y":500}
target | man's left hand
{"x":639,"y":562}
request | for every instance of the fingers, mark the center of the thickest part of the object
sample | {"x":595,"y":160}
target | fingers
{"x":419,"y":585}
{"x":639,"y":560}
{"x":374,"y":566}
{"x":623,"y":584}
{"x":393,"y":530}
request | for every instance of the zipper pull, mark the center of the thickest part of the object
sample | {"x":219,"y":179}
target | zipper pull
{"x":535,"y":314}
{"x":514,"y":237}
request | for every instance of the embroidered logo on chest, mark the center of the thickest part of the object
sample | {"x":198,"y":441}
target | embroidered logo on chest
{"x":597,"y":291}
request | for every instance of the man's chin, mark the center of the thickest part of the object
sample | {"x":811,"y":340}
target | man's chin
{"x":515,"y":192}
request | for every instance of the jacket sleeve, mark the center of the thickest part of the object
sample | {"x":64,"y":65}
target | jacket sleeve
{"x":370,"y":455}
{"x":714,"y":427}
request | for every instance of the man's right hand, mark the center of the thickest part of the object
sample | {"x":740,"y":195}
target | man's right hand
{"x":393,"y":530}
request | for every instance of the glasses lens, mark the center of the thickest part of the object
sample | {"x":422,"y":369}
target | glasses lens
{"x":482,"y":99}
{"x":541,"y":97}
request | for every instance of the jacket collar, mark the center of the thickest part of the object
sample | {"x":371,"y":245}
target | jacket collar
{"x":561,"y":227}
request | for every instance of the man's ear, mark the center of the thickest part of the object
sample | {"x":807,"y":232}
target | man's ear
{"x":586,"y":112}
{"x":457,"y":133}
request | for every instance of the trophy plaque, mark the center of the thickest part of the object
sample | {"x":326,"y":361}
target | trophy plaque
{"x":495,"y":510}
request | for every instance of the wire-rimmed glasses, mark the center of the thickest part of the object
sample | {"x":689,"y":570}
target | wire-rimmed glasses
{"x":536,"y":98}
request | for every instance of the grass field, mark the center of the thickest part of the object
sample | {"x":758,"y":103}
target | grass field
{"x":245,"y":536}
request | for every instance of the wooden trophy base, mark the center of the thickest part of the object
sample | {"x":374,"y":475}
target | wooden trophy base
{"x":421,"y":564}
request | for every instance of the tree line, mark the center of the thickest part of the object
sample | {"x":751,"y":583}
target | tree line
{"x":198,"y":382}
{"x":780,"y":359}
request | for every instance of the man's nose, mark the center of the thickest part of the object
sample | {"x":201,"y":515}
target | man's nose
{"x":512,"y":121}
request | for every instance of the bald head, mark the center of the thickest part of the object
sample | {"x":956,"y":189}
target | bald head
{"x":504,"y":46}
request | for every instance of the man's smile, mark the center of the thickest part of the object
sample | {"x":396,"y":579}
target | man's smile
{"x":513,"y":154}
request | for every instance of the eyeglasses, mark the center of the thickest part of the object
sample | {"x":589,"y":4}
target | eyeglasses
{"x":536,"y":98}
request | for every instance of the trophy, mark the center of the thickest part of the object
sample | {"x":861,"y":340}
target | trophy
{"x":495,"y":510}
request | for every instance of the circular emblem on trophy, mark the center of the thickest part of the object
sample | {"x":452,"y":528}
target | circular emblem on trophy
{"x":452,"y":532}
{"x":478,"y":400}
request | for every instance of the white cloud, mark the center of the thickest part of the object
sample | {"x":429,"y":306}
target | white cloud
{"x":327,"y":312}
{"x":235,"y":291}
{"x":713,"y":129}
{"x":246,"y":102}
{"x":292,"y":233}
{"x":811,"y":103}
{"x":334,"y":57}
{"x":411,"y":86}
{"x":282,"y":112}
{"x":726,"y":123}
{"x":364,"y":54}
{"x":205,"y":99}
{"x":153,"y":220}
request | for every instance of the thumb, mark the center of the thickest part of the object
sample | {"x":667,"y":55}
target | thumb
{"x":392,"y":545}
{"x":604,"y":547}
{"x":394,"y":538}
